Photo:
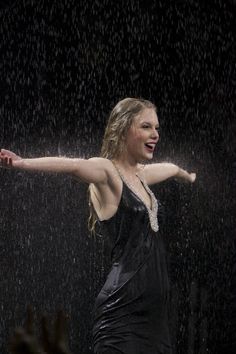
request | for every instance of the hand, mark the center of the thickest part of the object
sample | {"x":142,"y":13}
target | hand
{"x":9,"y":159}
{"x":56,"y":343}
{"x":23,"y":340}
{"x":192,"y":177}
{"x":185,"y":176}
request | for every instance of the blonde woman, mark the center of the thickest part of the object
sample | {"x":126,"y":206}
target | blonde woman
{"x":131,"y":308}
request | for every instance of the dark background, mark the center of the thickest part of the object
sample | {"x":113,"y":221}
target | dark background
{"x":65,"y":64}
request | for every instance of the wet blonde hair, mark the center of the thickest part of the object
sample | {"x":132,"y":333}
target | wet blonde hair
{"x":119,"y":122}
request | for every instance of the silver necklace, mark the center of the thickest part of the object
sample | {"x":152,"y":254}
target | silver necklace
{"x":152,"y":212}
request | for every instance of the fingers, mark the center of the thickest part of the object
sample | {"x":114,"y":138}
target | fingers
{"x":6,"y":161}
{"x":55,"y":342}
{"x":8,"y":153}
{"x":7,"y":157}
{"x":193,"y":177}
{"x":25,"y":342}
{"x":5,"y":152}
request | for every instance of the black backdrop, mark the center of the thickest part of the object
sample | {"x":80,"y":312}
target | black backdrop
{"x":65,"y":64}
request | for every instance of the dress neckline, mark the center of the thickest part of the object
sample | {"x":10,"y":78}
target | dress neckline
{"x":152,"y":211}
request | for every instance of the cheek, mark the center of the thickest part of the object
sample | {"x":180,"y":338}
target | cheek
{"x":137,"y":138}
{"x":140,"y":136}
{"x":137,"y":134}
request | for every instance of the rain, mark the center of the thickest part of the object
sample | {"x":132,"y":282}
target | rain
{"x":65,"y":64}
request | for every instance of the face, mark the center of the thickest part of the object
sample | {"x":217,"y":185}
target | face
{"x":142,"y":136}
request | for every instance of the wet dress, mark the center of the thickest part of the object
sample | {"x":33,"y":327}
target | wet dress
{"x":131,"y":309}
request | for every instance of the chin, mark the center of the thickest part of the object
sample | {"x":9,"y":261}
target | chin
{"x":149,"y":156}
{"x":146,"y":158}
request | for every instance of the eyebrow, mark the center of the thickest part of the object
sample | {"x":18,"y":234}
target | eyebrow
{"x":144,"y":122}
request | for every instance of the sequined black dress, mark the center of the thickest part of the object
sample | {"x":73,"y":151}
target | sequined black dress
{"x":131,"y":308}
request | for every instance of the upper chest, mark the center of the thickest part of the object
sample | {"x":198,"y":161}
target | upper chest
{"x":140,"y":189}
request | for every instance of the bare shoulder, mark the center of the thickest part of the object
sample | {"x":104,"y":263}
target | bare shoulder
{"x":95,"y":170}
{"x":105,"y":164}
{"x":110,"y":170}
{"x":101,"y":161}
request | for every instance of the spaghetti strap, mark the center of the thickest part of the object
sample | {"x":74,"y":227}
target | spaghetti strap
{"x":117,"y":170}
{"x":153,"y":210}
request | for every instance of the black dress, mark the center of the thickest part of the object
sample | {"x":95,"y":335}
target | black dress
{"x":131,"y":308}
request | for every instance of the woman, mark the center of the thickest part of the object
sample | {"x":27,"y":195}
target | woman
{"x":131,"y":308}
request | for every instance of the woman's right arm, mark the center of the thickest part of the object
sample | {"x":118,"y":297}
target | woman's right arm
{"x":94,"y":170}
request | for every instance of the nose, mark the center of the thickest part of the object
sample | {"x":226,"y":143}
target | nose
{"x":155,"y":135}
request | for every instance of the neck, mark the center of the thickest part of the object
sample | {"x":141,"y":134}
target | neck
{"x":128,"y":165}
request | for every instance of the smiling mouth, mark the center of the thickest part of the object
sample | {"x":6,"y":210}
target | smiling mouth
{"x":150,"y":147}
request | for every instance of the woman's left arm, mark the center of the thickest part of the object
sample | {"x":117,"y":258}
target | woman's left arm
{"x":158,"y":172}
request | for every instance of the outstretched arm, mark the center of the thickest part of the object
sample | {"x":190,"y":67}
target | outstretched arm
{"x":158,"y":172}
{"x":93,"y":170}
